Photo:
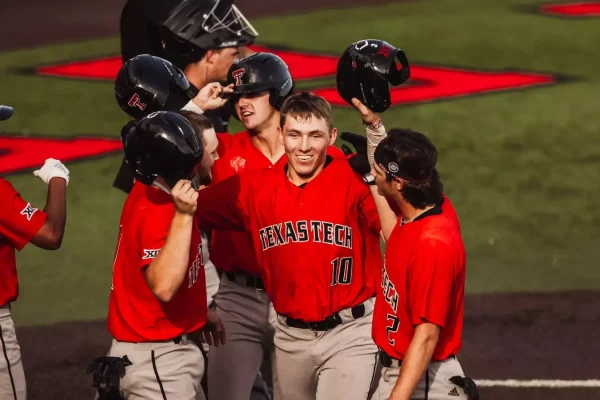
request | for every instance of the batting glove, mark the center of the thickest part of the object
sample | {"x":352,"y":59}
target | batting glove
{"x":52,"y":169}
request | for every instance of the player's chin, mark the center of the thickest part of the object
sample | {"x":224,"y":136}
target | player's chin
{"x":304,"y":169}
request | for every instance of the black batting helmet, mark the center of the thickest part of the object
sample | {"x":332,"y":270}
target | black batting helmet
{"x":163,"y":144}
{"x":195,"y":26}
{"x":146,"y":84}
{"x":261,"y":71}
{"x":5,"y":112}
{"x":365,"y":70}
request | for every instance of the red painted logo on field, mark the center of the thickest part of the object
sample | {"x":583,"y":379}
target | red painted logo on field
{"x":19,"y":153}
{"x":427,"y":83}
{"x":584,"y":9}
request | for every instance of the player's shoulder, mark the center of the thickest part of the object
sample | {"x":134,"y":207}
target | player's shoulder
{"x":335,"y":152}
{"x":4,"y":184}
{"x":231,"y":142}
{"x":441,"y":230}
{"x":148,"y":198}
{"x":347,"y":176}
{"x":7,"y":189}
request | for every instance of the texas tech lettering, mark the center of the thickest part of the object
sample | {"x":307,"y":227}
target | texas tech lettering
{"x":389,"y":290}
{"x":305,"y":231}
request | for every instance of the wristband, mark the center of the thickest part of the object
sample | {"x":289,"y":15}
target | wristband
{"x":191,"y":106}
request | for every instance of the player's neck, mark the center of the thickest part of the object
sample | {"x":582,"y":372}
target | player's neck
{"x":408,"y":212}
{"x":299,"y":179}
{"x":196,"y":74}
{"x":267,"y":141}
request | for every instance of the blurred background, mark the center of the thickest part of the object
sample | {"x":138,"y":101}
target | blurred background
{"x":507,"y":89}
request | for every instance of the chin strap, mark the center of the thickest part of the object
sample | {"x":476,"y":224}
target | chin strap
{"x":160,"y":186}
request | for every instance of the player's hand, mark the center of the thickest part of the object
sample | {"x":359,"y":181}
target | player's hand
{"x":213,"y":332}
{"x":185,"y":197}
{"x":358,"y":160}
{"x":368,"y":116}
{"x":52,"y":169}
{"x":213,"y":96}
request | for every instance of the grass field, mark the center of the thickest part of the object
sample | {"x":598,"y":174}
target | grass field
{"x":520,"y":166}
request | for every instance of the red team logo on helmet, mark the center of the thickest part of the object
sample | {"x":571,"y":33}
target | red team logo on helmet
{"x":135,"y":102}
{"x":385,"y":50}
{"x":237,"y":74}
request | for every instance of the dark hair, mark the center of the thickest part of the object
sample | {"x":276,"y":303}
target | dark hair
{"x":305,"y":105}
{"x":410,"y":156}
{"x":199,"y":122}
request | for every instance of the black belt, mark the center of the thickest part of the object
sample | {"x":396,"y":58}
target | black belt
{"x":176,"y":340}
{"x":249,"y":280}
{"x":328,"y":323}
{"x":389,"y":361}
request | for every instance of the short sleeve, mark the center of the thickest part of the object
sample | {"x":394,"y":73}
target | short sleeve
{"x":368,"y":212}
{"x":19,"y":220}
{"x":430,"y":282}
{"x":225,"y":205}
{"x":154,"y":229}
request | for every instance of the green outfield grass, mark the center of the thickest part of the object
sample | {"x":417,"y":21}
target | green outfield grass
{"x":521,"y":166}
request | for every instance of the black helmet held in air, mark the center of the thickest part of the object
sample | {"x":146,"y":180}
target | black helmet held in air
{"x":259,"y":72}
{"x":195,"y":26}
{"x":146,"y":84}
{"x":163,"y":144}
{"x":367,"y":68}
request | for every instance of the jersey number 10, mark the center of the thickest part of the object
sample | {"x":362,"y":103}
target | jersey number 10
{"x":342,"y":271}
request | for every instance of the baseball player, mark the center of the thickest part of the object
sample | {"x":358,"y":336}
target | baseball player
{"x":158,"y":293}
{"x":418,"y":317}
{"x":22,"y":223}
{"x":201,"y":37}
{"x":262,"y":82}
{"x":156,"y":84}
{"x":315,"y":232}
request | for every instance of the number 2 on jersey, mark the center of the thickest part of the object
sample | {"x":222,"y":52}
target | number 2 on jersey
{"x":342,"y":271}
{"x":393,"y":328}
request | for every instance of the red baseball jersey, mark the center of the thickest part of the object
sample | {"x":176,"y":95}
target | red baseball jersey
{"x":317,"y":244}
{"x":134,"y":314}
{"x":423,"y":281}
{"x":233,"y":250}
{"x":19,"y":223}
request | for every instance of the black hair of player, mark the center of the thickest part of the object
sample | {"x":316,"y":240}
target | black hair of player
{"x":415,"y":157}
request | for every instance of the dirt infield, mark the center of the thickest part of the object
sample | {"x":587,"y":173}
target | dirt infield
{"x":506,"y":337}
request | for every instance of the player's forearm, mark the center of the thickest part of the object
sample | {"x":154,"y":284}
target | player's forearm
{"x":51,"y":234}
{"x":416,"y":360}
{"x":168,"y":270}
{"x":387,"y":217}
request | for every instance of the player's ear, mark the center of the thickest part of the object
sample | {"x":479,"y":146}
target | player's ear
{"x":399,"y":184}
{"x":332,"y":136}
{"x":211,"y":56}
{"x":280,"y":134}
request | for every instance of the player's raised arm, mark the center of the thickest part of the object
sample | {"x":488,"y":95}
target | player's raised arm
{"x":167,"y":270}
{"x":362,"y":163}
{"x":224,"y":205}
{"x":56,"y":176}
